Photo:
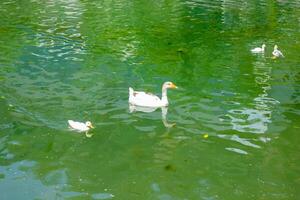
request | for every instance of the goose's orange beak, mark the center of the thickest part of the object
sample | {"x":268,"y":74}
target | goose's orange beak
{"x":173,"y":86}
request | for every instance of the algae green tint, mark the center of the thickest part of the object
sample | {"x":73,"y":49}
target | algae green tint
{"x":230,"y":132}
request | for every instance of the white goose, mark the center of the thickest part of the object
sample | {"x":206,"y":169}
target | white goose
{"x":144,"y":99}
{"x":259,"y":49}
{"x":276,"y":53}
{"x":79,"y":126}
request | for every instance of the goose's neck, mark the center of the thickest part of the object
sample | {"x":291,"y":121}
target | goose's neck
{"x":164,"y":97}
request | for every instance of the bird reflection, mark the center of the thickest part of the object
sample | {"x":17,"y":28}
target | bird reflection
{"x":256,"y":119}
{"x":164,"y":112}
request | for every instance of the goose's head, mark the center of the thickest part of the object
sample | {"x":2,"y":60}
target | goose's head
{"x":89,"y":124}
{"x":263,"y":46}
{"x":169,"y":85}
{"x":275,"y":47}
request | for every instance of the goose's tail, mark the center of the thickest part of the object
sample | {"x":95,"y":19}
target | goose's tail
{"x":131,"y":91}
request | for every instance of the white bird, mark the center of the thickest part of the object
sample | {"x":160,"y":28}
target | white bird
{"x":144,"y":99}
{"x":276,"y":53}
{"x":259,"y":49}
{"x":79,"y":126}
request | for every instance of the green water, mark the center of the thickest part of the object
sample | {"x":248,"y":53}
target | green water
{"x":237,"y":114}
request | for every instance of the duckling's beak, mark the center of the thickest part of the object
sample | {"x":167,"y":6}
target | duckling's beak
{"x":91,"y":126}
{"x":174,"y":86}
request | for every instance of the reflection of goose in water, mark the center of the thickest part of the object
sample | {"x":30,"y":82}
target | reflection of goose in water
{"x":165,"y":146}
{"x":164,"y":112}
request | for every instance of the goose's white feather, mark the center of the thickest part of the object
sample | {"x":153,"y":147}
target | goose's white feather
{"x":139,"y":98}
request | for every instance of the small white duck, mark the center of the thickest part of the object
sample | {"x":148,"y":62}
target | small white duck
{"x":79,"y":126}
{"x":276,"y":53}
{"x":144,"y":99}
{"x":259,"y":49}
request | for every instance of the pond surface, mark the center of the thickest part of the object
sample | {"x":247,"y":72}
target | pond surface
{"x":231,"y":131}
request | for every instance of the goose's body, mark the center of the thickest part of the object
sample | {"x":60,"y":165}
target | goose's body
{"x":259,"y":49}
{"x":139,"y":98}
{"x":79,"y":126}
{"x":276,"y":53}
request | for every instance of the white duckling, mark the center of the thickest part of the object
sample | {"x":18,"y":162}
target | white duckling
{"x":276,"y":53}
{"x":259,"y":49}
{"x":144,"y":99}
{"x":79,"y":126}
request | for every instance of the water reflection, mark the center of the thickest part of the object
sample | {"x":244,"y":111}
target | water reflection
{"x":257,"y":118}
{"x":27,"y":185}
{"x":164,"y":112}
{"x":60,"y":37}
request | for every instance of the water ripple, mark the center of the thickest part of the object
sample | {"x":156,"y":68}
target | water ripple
{"x":236,"y":150}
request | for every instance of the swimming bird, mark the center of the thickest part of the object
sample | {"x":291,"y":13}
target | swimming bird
{"x":139,"y":98}
{"x":259,"y":49}
{"x":79,"y":126}
{"x":276,"y":53}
